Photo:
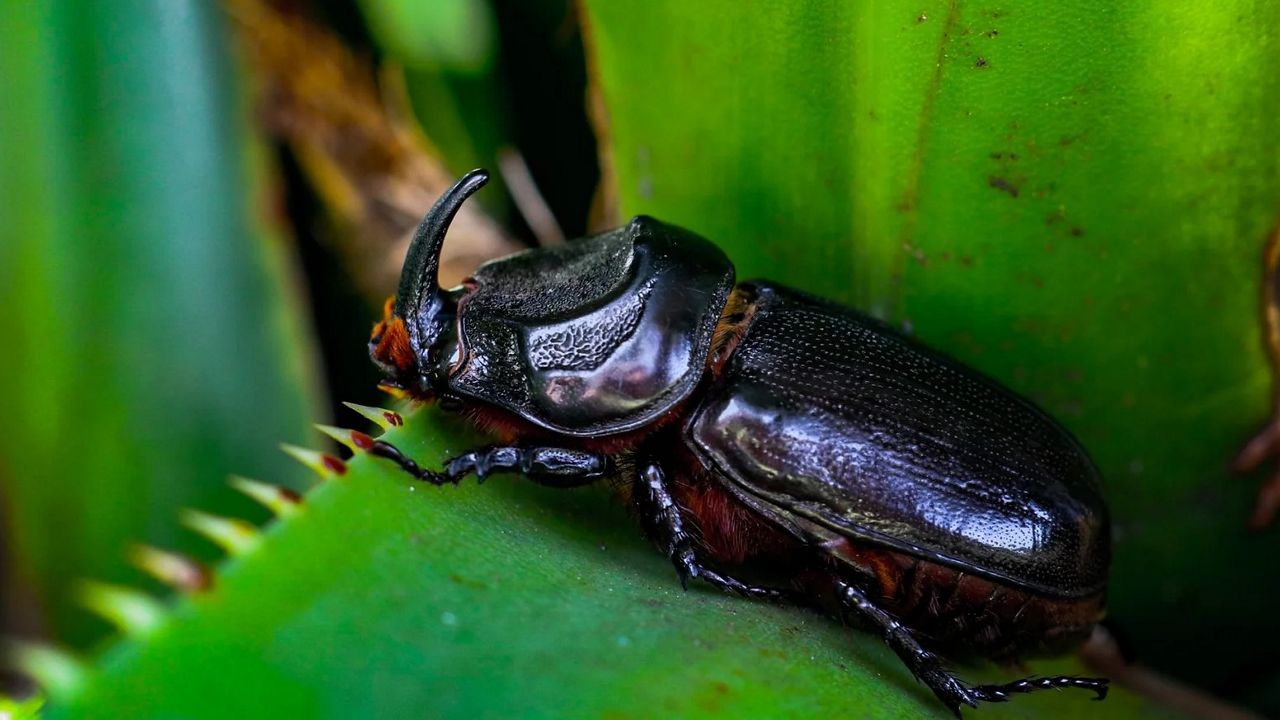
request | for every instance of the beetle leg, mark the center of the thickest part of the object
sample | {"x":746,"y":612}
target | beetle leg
{"x":656,"y":504}
{"x":556,"y":467}
{"x":1000,"y":693}
{"x":927,"y":667}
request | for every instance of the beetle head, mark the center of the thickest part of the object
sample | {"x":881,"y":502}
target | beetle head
{"x":419,"y":322}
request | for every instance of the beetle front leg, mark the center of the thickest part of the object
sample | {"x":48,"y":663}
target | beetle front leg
{"x":927,"y":667}
{"x":657,"y":504}
{"x":555,"y":467}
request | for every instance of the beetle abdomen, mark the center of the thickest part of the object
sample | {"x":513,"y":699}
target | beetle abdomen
{"x":951,"y":608}
{"x":826,"y":418}
{"x":964,"y":611}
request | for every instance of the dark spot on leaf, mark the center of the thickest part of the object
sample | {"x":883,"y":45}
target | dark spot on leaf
{"x":1003,"y":185}
{"x":467,"y":582}
{"x":982,"y":62}
{"x":993,"y":33}
{"x":1076,"y":232}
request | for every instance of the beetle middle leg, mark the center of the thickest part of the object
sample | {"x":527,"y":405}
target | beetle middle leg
{"x":661,"y":509}
{"x":927,"y":667}
{"x":555,"y":467}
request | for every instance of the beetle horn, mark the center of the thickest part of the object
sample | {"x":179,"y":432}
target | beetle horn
{"x":419,"y":281}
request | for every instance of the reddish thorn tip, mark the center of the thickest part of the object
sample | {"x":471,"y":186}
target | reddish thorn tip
{"x":393,"y":417}
{"x":360,"y":440}
{"x":334,"y":464}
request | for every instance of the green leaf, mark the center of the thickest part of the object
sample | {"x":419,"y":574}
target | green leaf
{"x":152,"y":343}
{"x":458,"y":34}
{"x":383,"y":597}
{"x":1073,"y":199}
{"x":25,"y":710}
{"x":449,"y":51}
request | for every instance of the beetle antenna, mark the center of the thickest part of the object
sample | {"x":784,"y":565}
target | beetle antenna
{"x":419,"y":281}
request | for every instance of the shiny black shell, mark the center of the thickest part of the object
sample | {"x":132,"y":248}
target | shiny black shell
{"x":833,"y":425}
{"x":596,"y":337}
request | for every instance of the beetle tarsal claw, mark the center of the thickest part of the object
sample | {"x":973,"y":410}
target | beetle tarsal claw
{"x":386,"y":450}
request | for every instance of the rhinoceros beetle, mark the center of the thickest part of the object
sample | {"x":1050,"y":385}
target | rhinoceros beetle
{"x":775,"y":445}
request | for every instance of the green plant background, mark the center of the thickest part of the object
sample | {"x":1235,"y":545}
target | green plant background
{"x":153,"y":338}
{"x":1073,"y":199}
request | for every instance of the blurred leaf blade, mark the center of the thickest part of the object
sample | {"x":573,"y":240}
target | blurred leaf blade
{"x":158,"y":345}
{"x":1073,"y":199}
{"x":449,"y":53}
{"x":458,"y":34}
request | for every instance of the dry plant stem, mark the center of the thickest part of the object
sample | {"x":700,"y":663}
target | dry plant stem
{"x":524,"y":190}
{"x":1102,"y":655}
{"x":357,"y":142}
{"x":1266,"y":444}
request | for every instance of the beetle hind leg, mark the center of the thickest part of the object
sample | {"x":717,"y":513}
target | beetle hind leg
{"x":1001,"y":693}
{"x":661,"y":510}
{"x":928,"y":669}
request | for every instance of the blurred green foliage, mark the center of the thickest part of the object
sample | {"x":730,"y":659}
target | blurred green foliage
{"x":153,"y":344}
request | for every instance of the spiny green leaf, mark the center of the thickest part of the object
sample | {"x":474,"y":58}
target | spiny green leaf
{"x":151,"y":344}
{"x":389,"y":598}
